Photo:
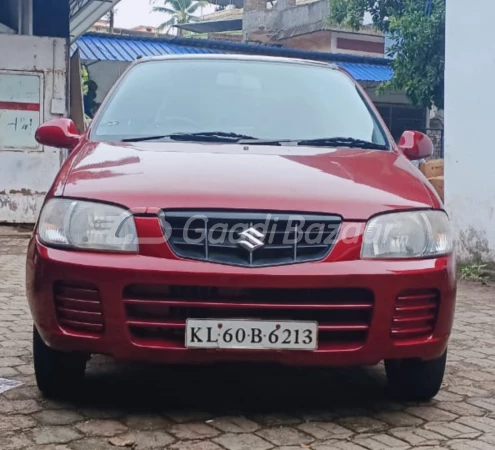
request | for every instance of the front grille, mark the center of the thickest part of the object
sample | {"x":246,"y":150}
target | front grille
{"x":415,"y":314}
{"x":216,"y":237}
{"x":160,"y":312}
{"x":78,"y":307}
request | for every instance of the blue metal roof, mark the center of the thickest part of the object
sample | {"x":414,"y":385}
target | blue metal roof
{"x":368,"y":72}
{"x":109,"y":48}
{"x":104,"y":47}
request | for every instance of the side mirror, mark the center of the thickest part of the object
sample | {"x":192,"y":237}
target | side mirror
{"x":416,"y":145}
{"x":59,"y":133}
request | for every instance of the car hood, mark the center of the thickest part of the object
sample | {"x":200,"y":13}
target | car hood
{"x":353,"y":183}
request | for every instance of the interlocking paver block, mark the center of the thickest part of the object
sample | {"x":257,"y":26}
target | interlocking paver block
{"x":243,"y":442}
{"x":431,"y":413}
{"x":343,"y":409}
{"x":14,"y":441}
{"x":486,"y":404}
{"x":195,"y":445}
{"x":14,"y":423}
{"x":146,"y":422}
{"x":485,"y":424}
{"x":55,"y":435}
{"x":417,"y":436}
{"x":338,"y":445}
{"x":193,"y":431}
{"x":324,"y":430}
{"x":462,"y":409}
{"x":362,"y":424}
{"x":235,"y":424}
{"x":57,"y":417}
{"x":276,"y":419}
{"x":453,"y":430}
{"x":381,"y":442}
{"x":188,"y":416}
{"x":92,"y":444}
{"x":284,"y":436}
{"x":399,"y":419}
{"x":147,"y":440}
{"x":469,"y":445}
{"x":19,"y":406}
{"x":101,"y":428}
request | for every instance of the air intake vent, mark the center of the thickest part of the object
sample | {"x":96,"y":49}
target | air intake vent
{"x":79,"y":307}
{"x":415,"y":314}
{"x":159,"y":313}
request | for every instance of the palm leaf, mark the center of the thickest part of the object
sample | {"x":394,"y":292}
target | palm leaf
{"x":182,"y":17}
{"x":164,"y":10}
{"x":181,"y":10}
{"x":182,"y":3}
{"x":194,"y":7}
{"x":176,"y":5}
{"x":168,"y":24}
{"x":179,"y":5}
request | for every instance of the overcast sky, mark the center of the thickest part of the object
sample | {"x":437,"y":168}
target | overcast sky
{"x":131,"y":13}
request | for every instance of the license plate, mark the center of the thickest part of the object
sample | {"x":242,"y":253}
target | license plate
{"x":251,"y":334}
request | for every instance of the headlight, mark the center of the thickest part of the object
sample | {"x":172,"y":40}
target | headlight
{"x":87,"y":225}
{"x":414,"y":234}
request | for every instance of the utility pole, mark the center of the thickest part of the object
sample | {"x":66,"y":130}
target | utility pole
{"x":111,"y":20}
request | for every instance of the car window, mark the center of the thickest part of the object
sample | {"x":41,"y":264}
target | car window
{"x":263,"y":99}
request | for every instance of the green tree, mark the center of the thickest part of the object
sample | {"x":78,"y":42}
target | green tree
{"x":417,"y":28}
{"x":180,"y":11}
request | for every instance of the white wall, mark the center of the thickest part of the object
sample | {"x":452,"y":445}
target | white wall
{"x":469,"y":124}
{"x":27,"y":169}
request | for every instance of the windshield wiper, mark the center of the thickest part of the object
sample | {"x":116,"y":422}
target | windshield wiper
{"x":204,"y":136}
{"x":342,"y":142}
{"x":224,"y":136}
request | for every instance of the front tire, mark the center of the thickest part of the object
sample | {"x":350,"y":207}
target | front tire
{"x":415,"y":380}
{"x":58,"y":374}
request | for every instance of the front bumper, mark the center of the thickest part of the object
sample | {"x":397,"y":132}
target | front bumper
{"x":111,"y":274}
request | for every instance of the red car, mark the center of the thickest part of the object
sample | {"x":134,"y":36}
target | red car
{"x":250,"y":209}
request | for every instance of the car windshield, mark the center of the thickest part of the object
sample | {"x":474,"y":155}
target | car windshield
{"x":267,"y":100}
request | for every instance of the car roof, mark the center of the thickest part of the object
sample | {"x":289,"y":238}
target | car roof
{"x":238,"y":57}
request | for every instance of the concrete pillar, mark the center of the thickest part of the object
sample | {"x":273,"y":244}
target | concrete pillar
{"x":25,"y":17}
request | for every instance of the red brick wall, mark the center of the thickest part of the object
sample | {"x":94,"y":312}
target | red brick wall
{"x":360,"y":46}
{"x":225,"y":37}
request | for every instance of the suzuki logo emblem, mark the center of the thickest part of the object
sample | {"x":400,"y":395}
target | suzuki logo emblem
{"x":251,"y":239}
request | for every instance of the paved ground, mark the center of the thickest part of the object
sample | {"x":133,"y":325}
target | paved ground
{"x":237,"y":409}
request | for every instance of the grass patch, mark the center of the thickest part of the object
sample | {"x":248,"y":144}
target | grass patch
{"x":474,"y":272}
